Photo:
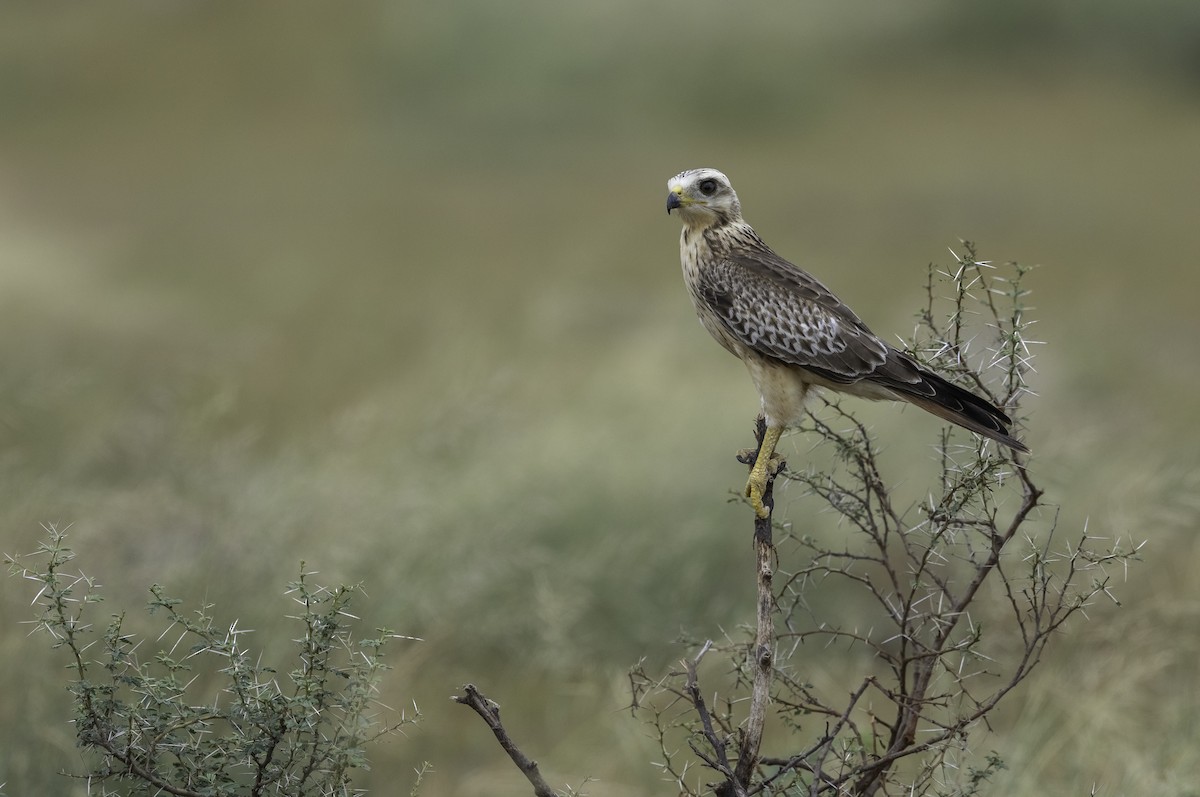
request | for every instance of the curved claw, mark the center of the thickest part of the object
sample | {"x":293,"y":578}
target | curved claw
{"x":755,"y":489}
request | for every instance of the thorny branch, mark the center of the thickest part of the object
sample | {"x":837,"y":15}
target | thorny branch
{"x":914,"y":570}
{"x":718,"y":759}
{"x":151,"y":731}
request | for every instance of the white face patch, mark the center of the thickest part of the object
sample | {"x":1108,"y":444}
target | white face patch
{"x":705,"y":199}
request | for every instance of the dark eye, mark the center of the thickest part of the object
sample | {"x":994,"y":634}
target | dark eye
{"x":708,"y":187}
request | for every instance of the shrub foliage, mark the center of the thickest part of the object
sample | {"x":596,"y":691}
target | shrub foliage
{"x":153,"y":727}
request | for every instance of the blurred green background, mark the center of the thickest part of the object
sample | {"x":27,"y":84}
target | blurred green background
{"x":389,"y":288}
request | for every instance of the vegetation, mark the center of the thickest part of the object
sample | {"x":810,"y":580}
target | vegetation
{"x":931,"y":677}
{"x":389,"y":289}
{"x":938,"y":658}
{"x":948,"y":617}
{"x":142,"y":714}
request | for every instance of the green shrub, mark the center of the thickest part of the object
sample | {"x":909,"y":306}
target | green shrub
{"x":153,"y":726}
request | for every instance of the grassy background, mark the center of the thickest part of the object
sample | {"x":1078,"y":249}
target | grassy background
{"x":389,"y":288}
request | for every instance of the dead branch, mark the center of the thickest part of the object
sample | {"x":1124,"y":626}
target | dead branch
{"x":719,"y":759}
{"x":764,"y":637}
{"x":489,"y":710}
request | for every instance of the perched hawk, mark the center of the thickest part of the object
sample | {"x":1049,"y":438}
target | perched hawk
{"x":791,"y":331}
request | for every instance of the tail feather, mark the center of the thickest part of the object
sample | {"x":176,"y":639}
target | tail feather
{"x":958,"y":406}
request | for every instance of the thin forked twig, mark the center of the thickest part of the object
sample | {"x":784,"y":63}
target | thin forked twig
{"x":719,"y":760}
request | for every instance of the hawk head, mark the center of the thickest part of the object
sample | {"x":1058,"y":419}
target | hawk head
{"x":703,"y":197}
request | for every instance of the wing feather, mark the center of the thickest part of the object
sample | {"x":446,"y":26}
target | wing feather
{"x":781,"y":312}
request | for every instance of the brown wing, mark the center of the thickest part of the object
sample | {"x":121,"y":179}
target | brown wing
{"x":784,"y":313}
{"x":781,"y":312}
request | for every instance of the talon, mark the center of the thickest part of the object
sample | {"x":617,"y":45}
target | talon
{"x":767,"y":463}
{"x":755,"y":489}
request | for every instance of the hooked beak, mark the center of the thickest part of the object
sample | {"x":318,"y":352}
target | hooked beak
{"x":673,"y":202}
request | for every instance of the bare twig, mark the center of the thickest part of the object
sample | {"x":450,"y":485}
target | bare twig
{"x":489,"y":710}
{"x":719,"y":760}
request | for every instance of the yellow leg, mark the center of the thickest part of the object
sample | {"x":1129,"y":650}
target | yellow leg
{"x":757,"y":485}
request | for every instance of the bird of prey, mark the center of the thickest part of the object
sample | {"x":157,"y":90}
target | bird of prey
{"x":791,"y":331}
